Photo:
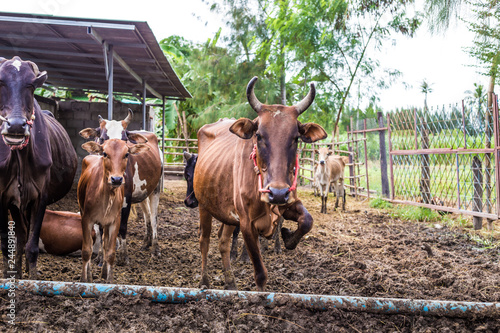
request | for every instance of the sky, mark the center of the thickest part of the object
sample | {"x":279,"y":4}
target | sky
{"x":440,"y":59}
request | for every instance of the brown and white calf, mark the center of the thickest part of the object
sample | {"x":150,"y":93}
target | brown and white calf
{"x":100,"y":196}
{"x":330,"y":170}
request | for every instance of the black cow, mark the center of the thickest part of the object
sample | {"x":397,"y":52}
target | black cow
{"x":37,"y":163}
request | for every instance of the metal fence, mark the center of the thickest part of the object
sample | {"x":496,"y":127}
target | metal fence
{"x":445,"y":158}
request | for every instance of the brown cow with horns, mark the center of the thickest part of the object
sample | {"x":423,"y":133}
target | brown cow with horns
{"x":246,"y":175}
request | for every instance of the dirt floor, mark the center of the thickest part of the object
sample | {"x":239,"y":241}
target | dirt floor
{"x":360,"y":252}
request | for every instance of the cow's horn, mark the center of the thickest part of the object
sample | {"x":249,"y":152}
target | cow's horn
{"x":252,"y":99}
{"x":100,"y":119}
{"x":307,"y":101}
{"x":129,"y":117}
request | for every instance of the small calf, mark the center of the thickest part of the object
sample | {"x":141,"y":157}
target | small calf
{"x":330,"y":169}
{"x":100,"y":197}
{"x":61,"y":233}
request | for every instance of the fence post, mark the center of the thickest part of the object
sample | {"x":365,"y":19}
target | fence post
{"x":477,"y":202}
{"x":366,"y":161}
{"x":383,"y":157}
{"x":351,"y":166}
{"x":425,"y":188}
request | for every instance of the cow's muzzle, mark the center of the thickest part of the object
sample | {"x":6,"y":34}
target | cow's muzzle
{"x":116,"y":181}
{"x":278,"y":196}
{"x":15,"y":131}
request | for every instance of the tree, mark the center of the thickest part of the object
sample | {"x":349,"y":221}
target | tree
{"x":425,"y":88}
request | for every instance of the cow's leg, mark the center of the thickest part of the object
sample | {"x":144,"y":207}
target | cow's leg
{"x":205,"y":230}
{"x":21,"y":230}
{"x":87,"y":227}
{"x":296,"y":212}
{"x":32,"y":249}
{"x":234,"y":244}
{"x":224,"y":248}
{"x":154,"y":200}
{"x":251,"y":238}
{"x":342,"y":192}
{"x":337,"y":193}
{"x":149,"y":232}
{"x":109,"y":252}
{"x":276,"y":235}
{"x":121,"y":252}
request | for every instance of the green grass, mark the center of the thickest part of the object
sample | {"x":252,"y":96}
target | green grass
{"x":380,"y":203}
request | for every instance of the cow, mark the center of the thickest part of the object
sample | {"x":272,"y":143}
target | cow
{"x":142,"y":181}
{"x":37,"y":163}
{"x":189,"y":164}
{"x":61,"y":233}
{"x":246,"y":175}
{"x":101,"y":191}
{"x":330,"y":170}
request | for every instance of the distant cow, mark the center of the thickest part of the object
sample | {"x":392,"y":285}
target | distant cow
{"x":37,"y":163}
{"x":61,"y":233}
{"x":189,"y":164}
{"x":330,"y":170}
{"x":142,"y":180}
{"x":101,"y":192}
{"x":246,"y":175}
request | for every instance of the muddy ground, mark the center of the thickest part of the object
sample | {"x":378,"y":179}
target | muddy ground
{"x":360,"y":252}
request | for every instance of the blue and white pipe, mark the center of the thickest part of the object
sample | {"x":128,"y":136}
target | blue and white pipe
{"x":322,"y":302}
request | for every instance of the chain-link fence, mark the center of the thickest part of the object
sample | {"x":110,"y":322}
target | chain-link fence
{"x":446,"y":157}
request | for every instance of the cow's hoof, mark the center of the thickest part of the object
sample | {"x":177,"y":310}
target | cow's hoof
{"x":288,"y":239}
{"x":230,"y":286}
{"x":155,"y":252}
{"x":122,"y":259}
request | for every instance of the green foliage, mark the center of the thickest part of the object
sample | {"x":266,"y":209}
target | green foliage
{"x":380,"y":203}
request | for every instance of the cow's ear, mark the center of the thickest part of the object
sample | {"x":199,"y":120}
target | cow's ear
{"x":89,"y":133}
{"x":311,"y":132}
{"x":136,"y":138}
{"x":40,"y":79}
{"x":92,"y":147}
{"x":138,"y":149}
{"x":244,"y":128}
{"x":187,"y":156}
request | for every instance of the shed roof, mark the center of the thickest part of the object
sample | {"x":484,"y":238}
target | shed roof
{"x":71,"y":50}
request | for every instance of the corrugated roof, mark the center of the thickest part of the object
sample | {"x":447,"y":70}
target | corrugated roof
{"x":71,"y":51}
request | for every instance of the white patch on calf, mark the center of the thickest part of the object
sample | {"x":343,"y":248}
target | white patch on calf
{"x":114,"y":129}
{"x":17,"y":64}
{"x":235,"y":216}
{"x":41,"y":246}
{"x":277,"y":113}
{"x":97,"y":244}
{"x":137,"y":190}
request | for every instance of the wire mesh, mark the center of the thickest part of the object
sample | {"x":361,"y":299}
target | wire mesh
{"x":444,"y":156}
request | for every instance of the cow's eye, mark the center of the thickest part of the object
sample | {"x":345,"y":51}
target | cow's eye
{"x":104,"y":154}
{"x":258,"y":136}
{"x":126,"y":155}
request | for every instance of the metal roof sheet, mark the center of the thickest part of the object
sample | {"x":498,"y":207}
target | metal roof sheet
{"x":71,"y":51}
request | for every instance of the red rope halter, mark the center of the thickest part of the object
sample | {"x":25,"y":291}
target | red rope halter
{"x":253,"y":156}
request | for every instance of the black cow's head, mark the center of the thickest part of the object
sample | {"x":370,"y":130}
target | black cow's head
{"x":190,"y":163}
{"x":18,"y":81}
{"x":109,"y":129}
{"x":275,"y":133}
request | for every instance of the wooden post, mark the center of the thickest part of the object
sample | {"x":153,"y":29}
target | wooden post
{"x":425,"y":186}
{"x":383,"y":157}
{"x":477,"y":202}
{"x":366,"y":162}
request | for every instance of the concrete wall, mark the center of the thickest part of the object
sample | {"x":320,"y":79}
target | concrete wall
{"x":76,"y":115}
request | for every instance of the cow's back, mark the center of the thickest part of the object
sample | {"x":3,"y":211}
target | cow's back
{"x":143,"y":170}
{"x":213,"y":176}
{"x":64,"y":159}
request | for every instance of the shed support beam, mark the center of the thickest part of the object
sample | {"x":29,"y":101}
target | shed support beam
{"x":108,"y":50}
{"x":122,"y":63}
{"x":144,"y":92}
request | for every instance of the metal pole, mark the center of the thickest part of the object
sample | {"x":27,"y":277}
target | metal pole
{"x":144,"y":92}
{"x":463,"y":124}
{"x":163,"y":140}
{"x":391,"y":162}
{"x":366,"y":162}
{"x":110,"y":81}
{"x":312,"y":301}
{"x":383,"y":157}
